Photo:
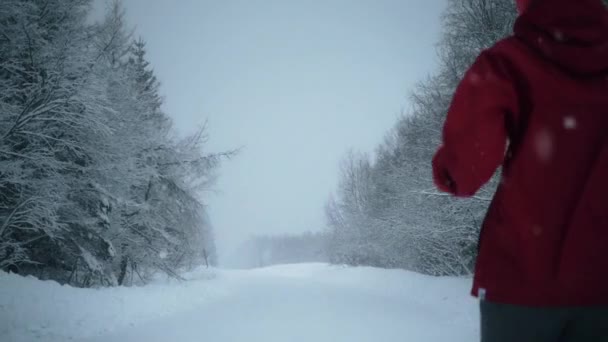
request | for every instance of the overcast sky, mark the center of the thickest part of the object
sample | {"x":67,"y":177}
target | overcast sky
{"x":295,"y":83}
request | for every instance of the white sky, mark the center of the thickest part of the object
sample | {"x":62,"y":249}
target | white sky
{"x":296,"y":83}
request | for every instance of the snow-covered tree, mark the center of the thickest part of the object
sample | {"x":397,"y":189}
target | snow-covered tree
{"x":48,"y":105}
{"x":402,"y":221}
{"x":94,"y":184}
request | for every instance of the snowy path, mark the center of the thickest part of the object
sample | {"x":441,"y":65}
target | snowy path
{"x":311,"y":302}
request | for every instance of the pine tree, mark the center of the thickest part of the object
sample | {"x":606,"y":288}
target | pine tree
{"x":94,"y":186}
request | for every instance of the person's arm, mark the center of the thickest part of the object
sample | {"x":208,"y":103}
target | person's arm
{"x":475,"y":134}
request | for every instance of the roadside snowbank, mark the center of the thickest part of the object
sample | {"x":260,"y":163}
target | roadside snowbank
{"x":34,"y":310}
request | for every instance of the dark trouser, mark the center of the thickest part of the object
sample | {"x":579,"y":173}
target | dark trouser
{"x":509,"y":323}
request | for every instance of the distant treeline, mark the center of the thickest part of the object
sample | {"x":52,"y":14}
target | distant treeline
{"x":266,"y":250}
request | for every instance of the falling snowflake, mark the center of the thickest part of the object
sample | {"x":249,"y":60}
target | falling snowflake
{"x":558,"y":35}
{"x":162,"y":254}
{"x":540,"y":40}
{"x":543,"y":144}
{"x":474,"y":78}
{"x":570,"y":122}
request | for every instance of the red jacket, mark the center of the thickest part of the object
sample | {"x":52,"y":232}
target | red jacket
{"x":537,"y":104}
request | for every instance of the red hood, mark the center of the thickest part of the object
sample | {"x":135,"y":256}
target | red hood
{"x":571,"y":33}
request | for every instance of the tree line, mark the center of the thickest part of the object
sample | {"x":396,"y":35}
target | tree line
{"x":96,"y":187}
{"x":267,"y":250}
{"x":386,"y":211}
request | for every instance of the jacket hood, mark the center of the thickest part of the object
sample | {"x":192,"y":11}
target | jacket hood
{"x":571,"y":33}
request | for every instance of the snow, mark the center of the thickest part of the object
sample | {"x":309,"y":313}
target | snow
{"x":111,"y":249}
{"x":305,"y":302}
{"x":544,"y":145}
{"x":90,"y":260}
{"x":474,"y":78}
{"x":105,"y":202}
{"x":570,"y":122}
{"x":34,"y":310}
{"x":104,"y":217}
{"x":162,"y":254}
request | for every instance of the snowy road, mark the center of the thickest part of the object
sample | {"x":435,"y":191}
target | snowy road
{"x":311,"y":302}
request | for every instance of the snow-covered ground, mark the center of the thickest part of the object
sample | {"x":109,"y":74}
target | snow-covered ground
{"x":306,"y":302}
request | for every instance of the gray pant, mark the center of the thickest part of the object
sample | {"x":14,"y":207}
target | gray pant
{"x":509,"y":323}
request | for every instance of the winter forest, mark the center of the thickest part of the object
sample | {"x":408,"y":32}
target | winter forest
{"x":100,"y":191}
{"x":95,"y":187}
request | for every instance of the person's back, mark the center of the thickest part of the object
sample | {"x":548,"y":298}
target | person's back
{"x":541,"y":96}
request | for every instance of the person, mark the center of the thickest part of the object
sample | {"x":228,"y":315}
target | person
{"x":537,"y":104}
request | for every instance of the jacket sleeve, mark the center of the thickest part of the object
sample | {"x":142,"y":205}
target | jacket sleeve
{"x":475,"y":133}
